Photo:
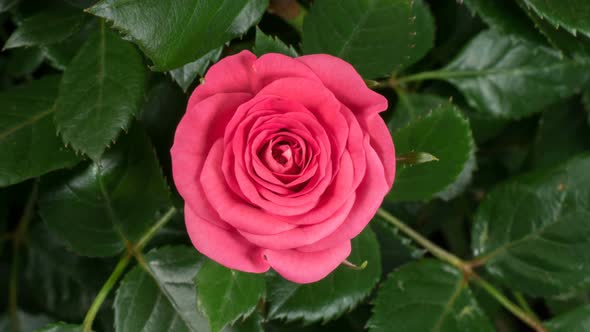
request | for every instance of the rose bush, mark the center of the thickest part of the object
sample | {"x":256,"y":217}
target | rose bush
{"x":281,"y":162}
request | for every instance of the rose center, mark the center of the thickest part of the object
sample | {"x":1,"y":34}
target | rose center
{"x":282,"y":153}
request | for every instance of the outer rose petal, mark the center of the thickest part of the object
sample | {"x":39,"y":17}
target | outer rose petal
{"x":230,"y":74}
{"x":226,"y":247}
{"x":307,"y":267}
{"x":347,"y":85}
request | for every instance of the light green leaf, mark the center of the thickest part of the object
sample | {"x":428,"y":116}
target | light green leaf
{"x":100,"y":92}
{"x":161,"y":298}
{"x":574,"y":321}
{"x":533,"y":233}
{"x":174,"y":33}
{"x":443,"y":132}
{"x":47,"y":27}
{"x":374,"y":36}
{"x":101,"y":206}
{"x":513,"y":78}
{"x":331,"y":297}
{"x":571,"y":15}
{"x":267,"y":44}
{"x":225,"y":295}
{"x":186,"y":74}
{"x":29,"y":145}
{"x":427,"y":296}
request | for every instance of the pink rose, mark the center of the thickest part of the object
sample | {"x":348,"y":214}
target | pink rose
{"x":281,"y":162}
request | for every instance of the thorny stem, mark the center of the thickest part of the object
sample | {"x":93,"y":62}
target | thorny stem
{"x":466,"y":268}
{"x":132,"y":251}
{"x":18,"y":238}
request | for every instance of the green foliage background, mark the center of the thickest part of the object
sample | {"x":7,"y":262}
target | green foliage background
{"x":490,"y":232}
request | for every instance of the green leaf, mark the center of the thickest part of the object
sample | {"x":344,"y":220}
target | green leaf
{"x":29,"y":146}
{"x":571,"y":15}
{"x":100,"y":92}
{"x":163,"y":29}
{"x":6,"y":5}
{"x":574,"y":321}
{"x":101,"y":206}
{"x":423,"y":41}
{"x":59,"y":55}
{"x":564,"y":303}
{"x":553,"y":143}
{"x":412,"y":107}
{"x":505,"y":16}
{"x":267,"y":44}
{"x":444,"y":133}
{"x":426,"y":296}
{"x":374,"y":36}
{"x":60,"y":282}
{"x":532,"y":233}
{"x":586,"y":100}
{"x":26,"y":322}
{"x":332,"y":296}
{"x":53,"y":25}
{"x":161,"y":298}
{"x":186,"y":74}
{"x":225,"y":295}
{"x":61,"y":327}
{"x":396,"y":249}
{"x":513,"y":78}
{"x":24,"y":61}
{"x":573,"y":46}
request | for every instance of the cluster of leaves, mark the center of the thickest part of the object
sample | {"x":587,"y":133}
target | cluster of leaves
{"x":498,"y":91}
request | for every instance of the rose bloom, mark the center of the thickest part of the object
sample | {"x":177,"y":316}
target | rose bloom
{"x":281,"y":162}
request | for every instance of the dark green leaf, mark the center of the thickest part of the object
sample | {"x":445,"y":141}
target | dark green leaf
{"x":427,"y":296}
{"x":332,"y":296}
{"x":163,"y":29}
{"x":186,"y":74}
{"x":162,"y":299}
{"x":506,"y":16}
{"x":571,"y":15}
{"x":24,"y":61}
{"x":423,"y":41}
{"x":61,"y":54}
{"x":571,"y":45}
{"x":533,"y":232}
{"x":6,"y":5}
{"x":100,"y":92}
{"x":267,"y":44}
{"x":59,"y":281}
{"x":564,"y":303}
{"x":47,"y":27}
{"x":444,"y":133}
{"x":101,"y":206}
{"x":412,"y":107}
{"x":374,"y":36}
{"x":61,"y":327}
{"x":26,"y":322}
{"x":574,"y":321}
{"x":29,"y":145}
{"x":225,"y":295}
{"x":563,"y":133}
{"x":395,"y":248}
{"x":586,"y":100}
{"x":512,"y":78}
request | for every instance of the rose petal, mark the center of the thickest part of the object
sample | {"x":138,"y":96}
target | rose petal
{"x":307,"y":267}
{"x":197,"y":131}
{"x":369,"y":196}
{"x":345,"y":82}
{"x":230,"y":74}
{"x":231,"y":208}
{"x":237,"y":253}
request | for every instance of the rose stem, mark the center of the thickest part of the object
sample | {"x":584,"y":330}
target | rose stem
{"x":132,"y":250}
{"x":464,"y":267}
